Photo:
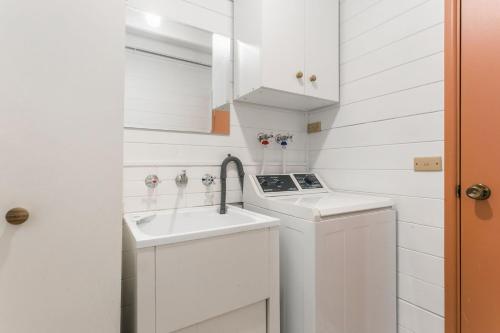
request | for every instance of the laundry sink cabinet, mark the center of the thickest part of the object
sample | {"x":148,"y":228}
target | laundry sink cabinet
{"x":194,"y":270}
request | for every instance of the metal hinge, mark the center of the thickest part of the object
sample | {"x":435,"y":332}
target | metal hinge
{"x":459,"y":191}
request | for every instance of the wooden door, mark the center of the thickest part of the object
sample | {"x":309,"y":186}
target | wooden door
{"x":61,"y":106}
{"x":283,"y":45}
{"x":322,"y":49}
{"x":480,"y":164}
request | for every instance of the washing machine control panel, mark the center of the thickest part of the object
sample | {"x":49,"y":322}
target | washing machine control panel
{"x":276,"y":183}
{"x":308,"y":181}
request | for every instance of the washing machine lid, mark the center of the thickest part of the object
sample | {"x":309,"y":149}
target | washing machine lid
{"x":322,"y":206}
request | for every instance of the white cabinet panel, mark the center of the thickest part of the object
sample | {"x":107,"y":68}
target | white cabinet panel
{"x":250,"y":319}
{"x":199,"y":287}
{"x":283,"y":44}
{"x":222,"y":284}
{"x":321,"y":49}
{"x":280,"y":45}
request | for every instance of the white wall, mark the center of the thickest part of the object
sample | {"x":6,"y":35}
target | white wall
{"x":210,"y":15}
{"x":391,"y":111}
{"x":166,"y":153}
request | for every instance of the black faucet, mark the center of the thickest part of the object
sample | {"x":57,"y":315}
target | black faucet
{"x":223,"y":176}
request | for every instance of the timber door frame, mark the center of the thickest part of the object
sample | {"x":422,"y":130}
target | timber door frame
{"x":452,"y":166}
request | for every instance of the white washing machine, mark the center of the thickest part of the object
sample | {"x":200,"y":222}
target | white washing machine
{"x":337,"y":254}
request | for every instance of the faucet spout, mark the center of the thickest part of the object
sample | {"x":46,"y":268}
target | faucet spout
{"x":223,"y":177}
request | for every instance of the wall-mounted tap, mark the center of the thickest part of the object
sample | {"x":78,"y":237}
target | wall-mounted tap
{"x":208,"y":179}
{"x":223,"y":177}
{"x":265,"y":138}
{"x":152,"y":181}
{"x":182,"y":179}
{"x":284,"y":139}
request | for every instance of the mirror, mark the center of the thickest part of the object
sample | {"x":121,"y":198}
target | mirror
{"x":177,"y":76}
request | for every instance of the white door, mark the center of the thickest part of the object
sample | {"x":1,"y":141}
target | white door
{"x":322,"y":49}
{"x":283,"y":45}
{"x":61,"y":96}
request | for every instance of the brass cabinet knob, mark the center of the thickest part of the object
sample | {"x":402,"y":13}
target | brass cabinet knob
{"x":299,"y":75}
{"x":478,"y":192}
{"x":17,"y":216}
{"x":313,"y":78}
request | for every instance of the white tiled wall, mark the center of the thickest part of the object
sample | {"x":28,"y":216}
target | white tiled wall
{"x":391,"y":111}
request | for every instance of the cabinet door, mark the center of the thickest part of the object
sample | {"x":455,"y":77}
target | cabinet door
{"x":283,"y":45}
{"x":250,"y":319}
{"x":216,"y":275}
{"x":322,"y":49}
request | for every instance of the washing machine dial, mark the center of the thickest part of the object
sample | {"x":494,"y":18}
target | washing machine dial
{"x":276,"y":183}
{"x":263,"y":182}
{"x":309,"y":179}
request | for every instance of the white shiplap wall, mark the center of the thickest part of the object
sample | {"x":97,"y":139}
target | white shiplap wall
{"x":166,"y":153}
{"x":391,"y":111}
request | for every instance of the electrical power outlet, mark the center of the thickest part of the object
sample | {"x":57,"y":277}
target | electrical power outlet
{"x":428,"y":163}
{"x":314,"y":127}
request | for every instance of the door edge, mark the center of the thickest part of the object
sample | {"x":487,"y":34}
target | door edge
{"x":452,"y":166}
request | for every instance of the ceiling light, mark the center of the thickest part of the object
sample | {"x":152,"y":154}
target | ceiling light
{"x":153,"y":21}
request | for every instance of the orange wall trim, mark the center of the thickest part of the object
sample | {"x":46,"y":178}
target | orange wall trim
{"x":221,"y":122}
{"x":452,"y":171}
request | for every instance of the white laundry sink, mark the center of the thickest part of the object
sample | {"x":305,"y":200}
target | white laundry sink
{"x":177,"y":225}
{"x":195,"y":270}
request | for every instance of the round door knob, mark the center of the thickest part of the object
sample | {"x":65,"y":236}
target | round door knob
{"x":313,"y":78}
{"x":478,"y":192}
{"x":299,"y":75}
{"x":17,"y":216}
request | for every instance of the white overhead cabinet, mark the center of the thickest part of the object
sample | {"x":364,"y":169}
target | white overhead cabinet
{"x":287,"y":52}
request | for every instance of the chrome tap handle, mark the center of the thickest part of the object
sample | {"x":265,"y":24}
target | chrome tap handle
{"x":182,"y":179}
{"x":152,"y":181}
{"x":208,"y":179}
